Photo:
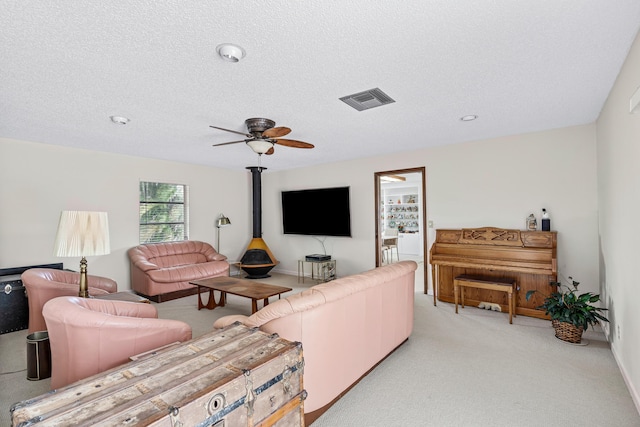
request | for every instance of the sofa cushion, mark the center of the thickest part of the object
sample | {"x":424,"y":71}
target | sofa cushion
{"x":188,"y":272}
{"x":302,"y":301}
{"x":178,"y":260}
{"x":171,"y":254}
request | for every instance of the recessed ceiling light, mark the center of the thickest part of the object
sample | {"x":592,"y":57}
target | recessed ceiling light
{"x":119,"y":120}
{"x":230,"y":52}
{"x":468,"y":118}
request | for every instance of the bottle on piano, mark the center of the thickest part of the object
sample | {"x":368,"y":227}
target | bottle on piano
{"x":532,"y":224}
{"x":546,"y":221}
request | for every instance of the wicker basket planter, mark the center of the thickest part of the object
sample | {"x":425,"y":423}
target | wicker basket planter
{"x":568,"y":332}
{"x":571,"y":312}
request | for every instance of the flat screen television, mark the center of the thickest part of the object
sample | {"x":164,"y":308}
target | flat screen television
{"x":317,"y":212}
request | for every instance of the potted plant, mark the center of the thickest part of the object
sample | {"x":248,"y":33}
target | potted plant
{"x":571,"y":313}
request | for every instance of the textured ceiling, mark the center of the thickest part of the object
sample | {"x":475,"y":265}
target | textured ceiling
{"x":521,"y":66}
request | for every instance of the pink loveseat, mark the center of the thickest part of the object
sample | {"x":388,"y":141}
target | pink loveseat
{"x":162,"y":271}
{"x":346,"y":327}
{"x":89,"y":336}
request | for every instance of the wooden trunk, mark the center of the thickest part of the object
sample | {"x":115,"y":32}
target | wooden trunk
{"x":235,"y":376}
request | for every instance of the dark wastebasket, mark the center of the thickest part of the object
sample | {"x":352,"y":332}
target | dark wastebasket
{"x":38,"y":356}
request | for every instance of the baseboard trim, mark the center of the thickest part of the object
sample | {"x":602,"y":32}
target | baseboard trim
{"x":632,"y":390}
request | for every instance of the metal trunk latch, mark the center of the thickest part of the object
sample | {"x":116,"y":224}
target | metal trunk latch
{"x":250,"y":398}
{"x":174,"y":415}
{"x":286,"y":376}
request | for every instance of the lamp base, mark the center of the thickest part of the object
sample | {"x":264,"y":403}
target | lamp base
{"x":84,"y":288}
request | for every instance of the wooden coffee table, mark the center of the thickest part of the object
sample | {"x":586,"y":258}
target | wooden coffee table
{"x":236,"y":286}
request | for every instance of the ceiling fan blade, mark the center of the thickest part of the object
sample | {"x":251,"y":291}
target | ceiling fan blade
{"x":293,"y":143}
{"x":270,"y":152}
{"x":227,"y":143}
{"x":276,"y":132}
{"x":248,"y":135}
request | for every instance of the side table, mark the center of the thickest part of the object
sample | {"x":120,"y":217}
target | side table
{"x":238,"y":267}
{"x":321,"y":271}
{"x":128,"y":296}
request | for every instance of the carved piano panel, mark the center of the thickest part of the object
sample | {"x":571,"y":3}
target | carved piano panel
{"x":529,"y":257}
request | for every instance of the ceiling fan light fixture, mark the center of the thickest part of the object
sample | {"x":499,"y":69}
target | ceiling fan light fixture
{"x":263,"y":136}
{"x":230,"y":52}
{"x":260,"y":146}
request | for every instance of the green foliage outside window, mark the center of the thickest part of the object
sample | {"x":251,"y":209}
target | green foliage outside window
{"x":163,"y":212}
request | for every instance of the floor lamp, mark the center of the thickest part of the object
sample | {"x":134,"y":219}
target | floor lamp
{"x":223,"y":221}
{"x":82,"y":234}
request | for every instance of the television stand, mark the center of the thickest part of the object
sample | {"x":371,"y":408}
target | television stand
{"x":321,"y":271}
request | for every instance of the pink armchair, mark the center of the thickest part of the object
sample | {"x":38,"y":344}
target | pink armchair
{"x":43,"y":284}
{"x":89,"y":336}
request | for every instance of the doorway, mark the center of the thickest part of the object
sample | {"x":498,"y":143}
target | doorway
{"x":400,"y":208}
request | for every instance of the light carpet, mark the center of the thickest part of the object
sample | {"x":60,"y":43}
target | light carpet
{"x":467,"y":369}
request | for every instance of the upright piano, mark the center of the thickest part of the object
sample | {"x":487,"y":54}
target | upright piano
{"x":528,"y":257}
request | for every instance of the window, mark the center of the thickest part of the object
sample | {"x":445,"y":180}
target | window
{"x":164,"y":212}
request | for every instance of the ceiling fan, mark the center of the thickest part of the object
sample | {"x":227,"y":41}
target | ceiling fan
{"x":263,"y":136}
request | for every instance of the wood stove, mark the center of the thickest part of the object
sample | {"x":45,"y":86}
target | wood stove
{"x":258,"y":259}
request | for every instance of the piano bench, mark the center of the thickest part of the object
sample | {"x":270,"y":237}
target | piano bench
{"x":492,"y":284}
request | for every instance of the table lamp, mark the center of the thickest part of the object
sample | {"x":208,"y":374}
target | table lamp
{"x":82,"y":234}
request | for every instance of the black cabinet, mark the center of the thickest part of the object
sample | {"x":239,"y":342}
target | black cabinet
{"x":14,"y":306}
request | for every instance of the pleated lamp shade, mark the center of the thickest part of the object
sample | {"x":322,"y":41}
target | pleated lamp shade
{"x":82,"y":233}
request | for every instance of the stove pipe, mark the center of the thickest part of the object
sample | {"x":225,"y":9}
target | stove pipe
{"x":256,"y":185}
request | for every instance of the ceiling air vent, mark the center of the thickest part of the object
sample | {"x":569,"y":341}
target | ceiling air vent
{"x":367,"y":99}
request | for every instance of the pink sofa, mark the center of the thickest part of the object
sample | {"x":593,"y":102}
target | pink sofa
{"x":43,"y":284}
{"x":346,"y":327}
{"x":162,"y":271}
{"x":89,"y":336}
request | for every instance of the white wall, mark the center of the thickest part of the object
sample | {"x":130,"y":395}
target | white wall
{"x":39,"y":181}
{"x":618,"y":149}
{"x":501,"y":181}
{"x":496,"y":182}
